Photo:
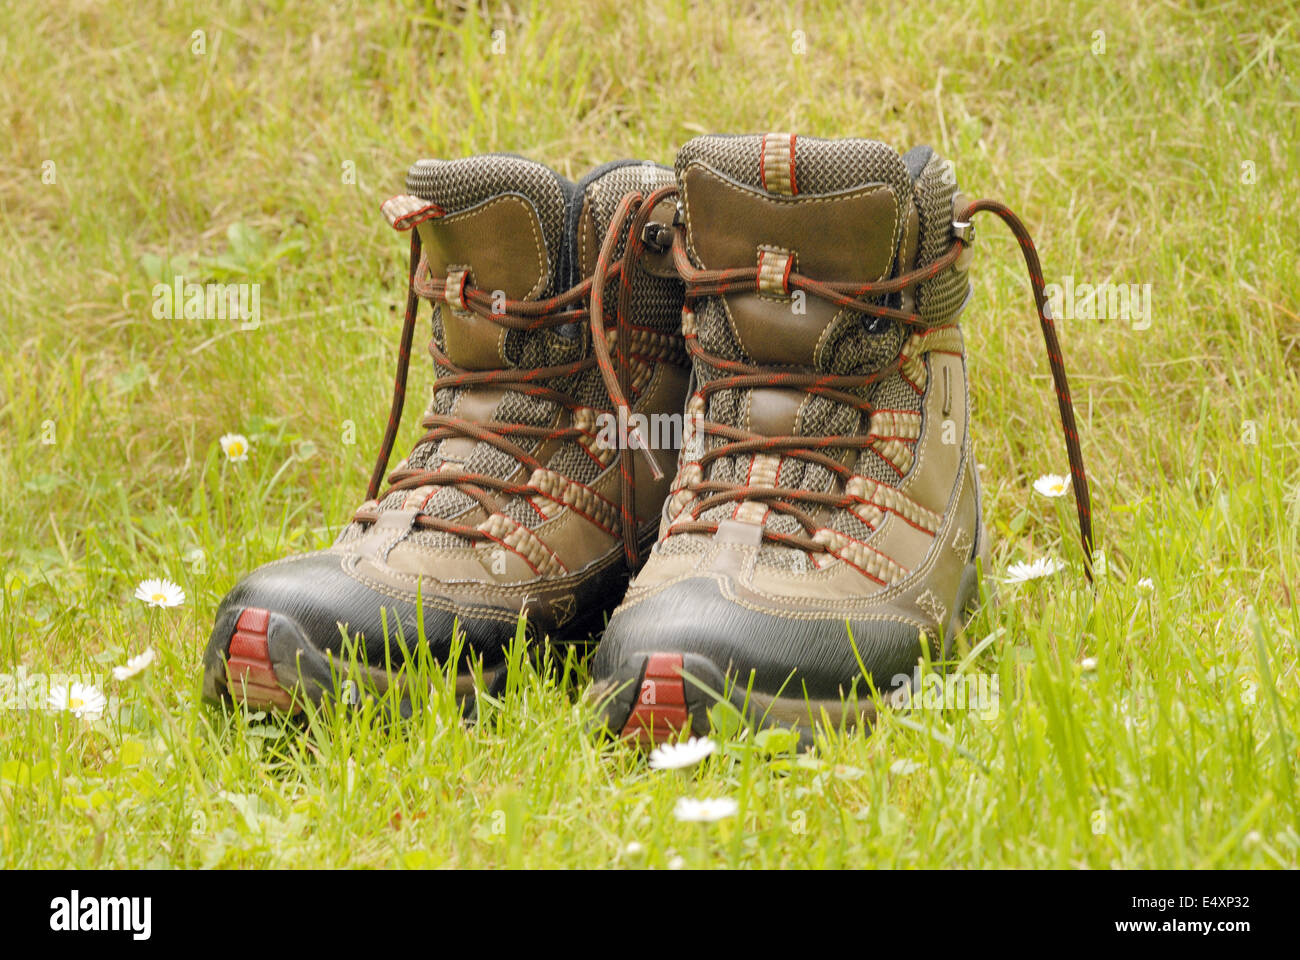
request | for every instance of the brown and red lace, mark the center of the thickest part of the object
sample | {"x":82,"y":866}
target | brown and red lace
{"x":586,"y":302}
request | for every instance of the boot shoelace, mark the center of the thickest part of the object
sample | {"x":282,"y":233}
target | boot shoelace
{"x":569,"y":307}
{"x":708,"y":283}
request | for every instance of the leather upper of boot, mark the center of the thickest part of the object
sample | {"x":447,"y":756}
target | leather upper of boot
{"x":895,"y":520}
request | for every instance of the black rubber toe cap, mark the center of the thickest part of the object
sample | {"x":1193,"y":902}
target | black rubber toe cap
{"x":693,"y":617}
{"x":316,"y":593}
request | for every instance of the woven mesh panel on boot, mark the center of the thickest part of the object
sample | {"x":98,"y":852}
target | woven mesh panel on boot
{"x":656,"y":302}
{"x":824,"y":166}
{"x":937,"y":299}
{"x":460,"y":184}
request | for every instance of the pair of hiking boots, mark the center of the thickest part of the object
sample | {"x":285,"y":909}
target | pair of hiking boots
{"x":741,"y":380}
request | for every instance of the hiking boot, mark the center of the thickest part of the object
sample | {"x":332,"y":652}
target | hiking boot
{"x":516,"y":500}
{"x":824,"y":527}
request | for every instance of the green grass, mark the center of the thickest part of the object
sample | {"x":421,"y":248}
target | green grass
{"x":1178,"y":749}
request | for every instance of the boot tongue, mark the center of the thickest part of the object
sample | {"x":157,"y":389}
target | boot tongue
{"x":831,"y":210}
{"x":836,"y":211}
{"x":504,"y":227}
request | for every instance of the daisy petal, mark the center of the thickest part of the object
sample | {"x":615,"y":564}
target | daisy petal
{"x":1052,"y":485}
{"x":160,"y":593}
{"x":133,"y":666}
{"x":705,"y":811}
{"x":235,"y":447}
{"x":674,"y":756}
{"x":79,"y":699}
{"x":1034,"y":570}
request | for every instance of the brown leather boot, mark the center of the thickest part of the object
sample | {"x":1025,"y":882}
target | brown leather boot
{"x":824,"y":525}
{"x":514,"y":501}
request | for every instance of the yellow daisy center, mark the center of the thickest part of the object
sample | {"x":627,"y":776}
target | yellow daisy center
{"x":159,"y":598}
{"x":76,"y":702}
{"x":236,"y":448}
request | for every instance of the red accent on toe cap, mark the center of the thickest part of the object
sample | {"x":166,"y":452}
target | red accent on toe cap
{"x":255,"y":671}
{"x":664,"y":665}
{"x":254,"y":620}
{"x":249,"y":672}
{"x":250,"y":646}
{"x":660,"y":709}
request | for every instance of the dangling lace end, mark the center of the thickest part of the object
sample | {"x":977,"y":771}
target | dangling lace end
{"x":403,"y":366}
{"x":637,"y":441}
{"x":1079,"y":477}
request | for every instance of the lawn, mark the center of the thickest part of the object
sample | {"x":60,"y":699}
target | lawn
{"x":1151,"y":723}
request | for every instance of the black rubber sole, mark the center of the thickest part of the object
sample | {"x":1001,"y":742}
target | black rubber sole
{"x":656,"y":696}
{"x":265,"y":661}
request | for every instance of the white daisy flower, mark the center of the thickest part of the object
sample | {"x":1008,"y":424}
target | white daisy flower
{"x":236,"y":447}
{"x":1147,"y":585}
{"x":1052,"y":485}
{"x":705,"y":811}
{"x":1089,"y":664}
{"x":79,"y":699}
{"x":1042,"y":567}
{"x":674,"y":756}
{"x":160,"y":593}
{"x":135,"y":665}
{"x":634,"y":849}
{"x":676,"y":863}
